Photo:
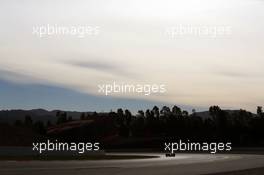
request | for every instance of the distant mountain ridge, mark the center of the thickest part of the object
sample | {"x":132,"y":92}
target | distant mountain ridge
{"x":10,"y":116}
{"x":36,"y":114}
{"x":206,"y":114}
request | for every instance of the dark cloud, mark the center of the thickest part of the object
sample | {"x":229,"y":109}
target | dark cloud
{"x":234,"y":74}
{"x":14,"y":76}
{"x":95,"y":65}
{"x":111,"y":68}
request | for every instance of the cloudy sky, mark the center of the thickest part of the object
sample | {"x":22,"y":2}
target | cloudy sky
{"x":132,"y":46}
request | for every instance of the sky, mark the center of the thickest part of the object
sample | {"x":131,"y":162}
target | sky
{"x":132,"y":46}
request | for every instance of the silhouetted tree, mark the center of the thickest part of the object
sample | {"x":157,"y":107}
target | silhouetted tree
{"x":141,"y":113}
{"x":62,"y":117}
{"x":165,"y":111}
{"x":149,"y":116}
{"x":28,"y":121}
{"x":185,"y":113}
{"x":138,"y":125}
{"x":260,"y":111}
{"x":156,"y":112}
{"x":39,"y":127}
{"x":82,"y":117}
{"x":176,"y":111}
{"x":214,"y":111}
{"x":193,"y":112}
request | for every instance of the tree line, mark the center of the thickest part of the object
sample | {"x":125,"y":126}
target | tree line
{"x":240,"y":127}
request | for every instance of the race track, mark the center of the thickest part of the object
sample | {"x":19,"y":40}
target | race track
{"x":186,"y":164}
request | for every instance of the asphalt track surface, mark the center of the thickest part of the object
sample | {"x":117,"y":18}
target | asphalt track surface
{"x":186,"y":164}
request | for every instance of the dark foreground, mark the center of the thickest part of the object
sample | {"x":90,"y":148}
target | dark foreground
{"x":187,"y":164}
{"x":254,"y":171}
{"x":71,"y":158}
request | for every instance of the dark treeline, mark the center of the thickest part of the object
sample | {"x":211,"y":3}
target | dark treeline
{"x":240,"y":127}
